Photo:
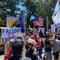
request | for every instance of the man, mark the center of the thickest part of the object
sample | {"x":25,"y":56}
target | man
{"x":55,"y":45}
{"x":48,"y":47}
{"x":17,"y":51}
{"x":29,"y":49}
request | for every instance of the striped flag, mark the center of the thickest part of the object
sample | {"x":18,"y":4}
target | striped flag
{"x":39,"y":22}
{"x":22,"y":23}
{"x":56,"y":14}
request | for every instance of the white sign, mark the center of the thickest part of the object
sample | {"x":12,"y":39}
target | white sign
{"x":9,"y":33}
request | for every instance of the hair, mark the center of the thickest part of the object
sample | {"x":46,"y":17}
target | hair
{"x":20,"y":37}
{"x":17,"y":49}
{"x":7,"y":45}
{"x":51,"y":35}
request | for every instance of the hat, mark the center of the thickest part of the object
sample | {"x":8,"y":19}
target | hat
{"x":31,"y":41}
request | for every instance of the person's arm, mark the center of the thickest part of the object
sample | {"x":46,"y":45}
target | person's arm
{"x":53,"y":36}
{"x":53,"y":39}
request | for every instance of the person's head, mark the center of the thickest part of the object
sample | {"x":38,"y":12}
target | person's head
{"x":20,"y":37}
{"x":12,"y":41}
{"x":52,"y":36}
{"x":32,"y":37}
{"x":17,"y":48}
{"x":16,"y":23}
{"x":7,"y":44}
{"x":30,"y":43}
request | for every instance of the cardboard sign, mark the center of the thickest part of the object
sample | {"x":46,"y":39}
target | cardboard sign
{"x":10,"y":33}
{"x":10,"y":20}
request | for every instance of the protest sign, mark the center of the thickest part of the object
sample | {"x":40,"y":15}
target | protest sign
{"x":10,"y":20}
{"x":10,"y":33}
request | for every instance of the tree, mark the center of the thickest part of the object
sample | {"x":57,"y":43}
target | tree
{"x":31,"y":8}
{"x":44,"y":8}
{"x":4,"y":5}
{"x":11,"y":4}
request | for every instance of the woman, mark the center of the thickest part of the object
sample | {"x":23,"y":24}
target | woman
{"x":55,"y":46}
{"x":8,"y":51}
{"x":17,"y":50}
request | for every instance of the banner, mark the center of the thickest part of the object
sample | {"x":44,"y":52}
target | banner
{"x":56,"y":14}
{"x":22,"y":22}
{"x":39,"y":22}
{"x":10,"y":20}
{"x":10,"y":33}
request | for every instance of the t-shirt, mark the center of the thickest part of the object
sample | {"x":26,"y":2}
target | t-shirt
{"x":56,"y":46}
{"x":40,"y":43}
{"x":47,"y":45}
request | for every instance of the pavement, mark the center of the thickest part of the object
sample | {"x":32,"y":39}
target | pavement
{"x":1,"y":57}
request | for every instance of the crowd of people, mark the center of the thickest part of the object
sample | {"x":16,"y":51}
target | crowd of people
{"x":34,"y":46}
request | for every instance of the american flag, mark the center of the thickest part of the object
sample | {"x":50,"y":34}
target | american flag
{"x":39,"y":22}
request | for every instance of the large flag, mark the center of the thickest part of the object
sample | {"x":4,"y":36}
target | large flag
{"x":22,"y":22}
{"x":56,"y":14}
{"x":39,"y":22}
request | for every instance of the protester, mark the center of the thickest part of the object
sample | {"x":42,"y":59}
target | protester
{"x":55,"y":46}
{"x":8,"y":51}
{"x":59,"y":35}
{"x":17,"y":50}
{"x":48,"y":48}
{"x":16,"y":24}
{"x":29,"y":49}
{"x":41,"y":45}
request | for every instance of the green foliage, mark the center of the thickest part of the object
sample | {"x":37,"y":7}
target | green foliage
{"x":6,"y":4}
{"x":44,"y":8}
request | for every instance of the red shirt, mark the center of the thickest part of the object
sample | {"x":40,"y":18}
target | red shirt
{"x":39,"y":43}
{"x":8,"y":54}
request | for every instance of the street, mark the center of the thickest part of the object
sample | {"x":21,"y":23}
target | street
{"x":2,"y":57}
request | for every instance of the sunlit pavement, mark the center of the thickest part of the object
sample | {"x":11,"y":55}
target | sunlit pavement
{"x":1,"y":57}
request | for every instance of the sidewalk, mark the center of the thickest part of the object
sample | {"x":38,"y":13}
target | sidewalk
{"x":2,"y":57}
